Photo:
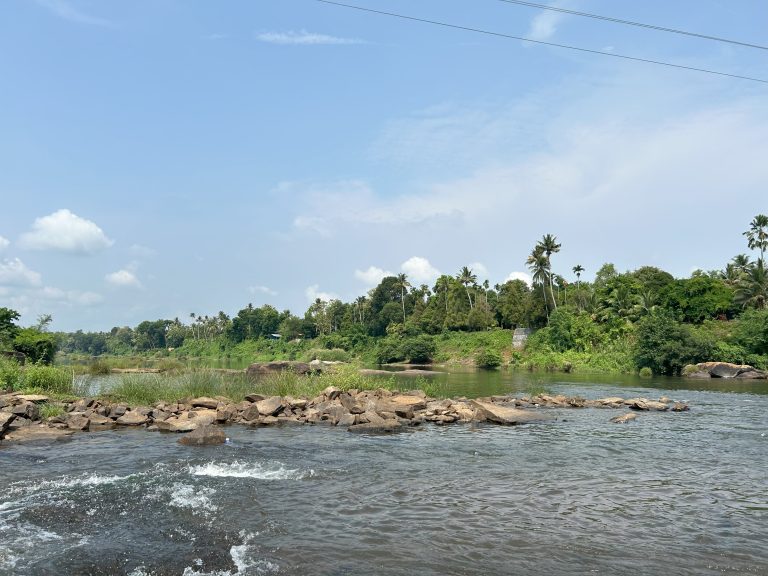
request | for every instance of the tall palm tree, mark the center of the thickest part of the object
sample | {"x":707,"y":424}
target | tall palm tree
{"x":360,"y":302}
{"x":443,"y":284}
{"x":752,"y":289}
{"x":578,"y":269}
{"x":403,"y":284}
{"x":548,"y":245}
{"x":757,"y":235}
{"x":467,"y":278}
{"x":538,"y":264}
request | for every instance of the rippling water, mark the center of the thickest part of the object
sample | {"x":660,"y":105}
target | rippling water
{"x":667,"y":494}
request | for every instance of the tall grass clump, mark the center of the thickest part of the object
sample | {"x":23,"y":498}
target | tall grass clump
{"x":10,"y":374}
{"x":46,"y":379}
{"x":148,"y":389}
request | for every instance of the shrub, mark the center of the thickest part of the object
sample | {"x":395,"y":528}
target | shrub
{"x":419,"y":349}
{"x":39,"y":347}
{"x":646,"y":372}
{"x":488,"y":359}
{"x":10,"y":374}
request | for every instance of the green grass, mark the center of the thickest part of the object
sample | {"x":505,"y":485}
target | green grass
{"x":49,"y":410}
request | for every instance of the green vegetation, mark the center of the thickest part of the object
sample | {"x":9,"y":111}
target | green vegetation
{"x":35,"y":378}
{"x":619,"y":322}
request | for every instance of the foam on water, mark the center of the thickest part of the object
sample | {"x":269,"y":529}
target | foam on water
{"x":242,"y":558}
{"x":254,"y":470}
{"x":65,"y":482}
{"x":198,"y":500}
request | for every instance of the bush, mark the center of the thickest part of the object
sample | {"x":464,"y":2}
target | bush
{"x":39,"y":347}
{"x":488,"y":359}
{"x":646,"y":372}
{"x":665,"y":346}
{"x":419,"y":349}
{"x":389,"y":350}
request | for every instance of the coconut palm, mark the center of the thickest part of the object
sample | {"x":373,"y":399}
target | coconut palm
{"x":403,"y":284}
{"x":467,"y":278}
{"x":548,"y":245}
{"x":752,"y":288}
{"x":538,"y":264}
{"x":578,"y":269}
{"x":757,"y":235}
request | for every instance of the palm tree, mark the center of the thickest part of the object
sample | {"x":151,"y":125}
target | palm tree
{"x":467,"y":279}
{"x":360,"y":302}
{"x":403,"y":284}
{"x":752,"y":289}
{"x":757,"y":235}
{"x":548,"y":245}
{"x":443,"y":284}
{"x":578,"y":269}
{"x":538,"y":264}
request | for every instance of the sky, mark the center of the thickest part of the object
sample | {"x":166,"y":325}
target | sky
{"x":163,"y":157}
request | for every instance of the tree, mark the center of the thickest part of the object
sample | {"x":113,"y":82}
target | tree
{"x":8,"y":327}
{"x":665,"y":346}
{"x":752,"y":287}
{"x":757,"y":235}
{"x":548,"y":245}
{"x":578,"y":269}
{"x":38,"y":347}
{"x":538,"y":264}
{"x":403,"y":285}
{"x":467,"y":278}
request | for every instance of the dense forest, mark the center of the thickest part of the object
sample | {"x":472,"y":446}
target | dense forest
{"x":645,"y":317}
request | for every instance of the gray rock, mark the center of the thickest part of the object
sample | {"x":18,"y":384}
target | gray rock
{"x":624,"y":418}
{"x":385,"y":427}
{"x":270,"y":406}
{"x":205,"y":402}
{"x":508,"y":416}
{"x":204,"y":436}
{"x":132,"y":418}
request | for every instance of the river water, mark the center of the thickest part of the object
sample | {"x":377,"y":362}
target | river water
{"x":670,"y":493}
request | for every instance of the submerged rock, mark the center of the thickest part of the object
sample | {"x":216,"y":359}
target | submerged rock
{"x":505,"y":415}
{"x":265,"y":368}
{"x":204,"y":436}
{"x":624,"y":418}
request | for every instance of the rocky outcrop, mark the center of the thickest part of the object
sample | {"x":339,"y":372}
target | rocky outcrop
{"x":368,"y":411}
{"x":624,"y":418}
{"x":204,"y":436}
{"x":266,"y":368}
{"x":724,"y":370}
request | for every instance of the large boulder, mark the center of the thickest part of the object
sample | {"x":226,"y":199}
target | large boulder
{"x":204,"y":436}
{"x":5,"y":421}
{"x":205,"y":402}
{"x":38,"y":433}
{"x":383,"y":427}
{"x":132,"y":418}
{"x":271,"y":406}
{"x":506,"y":415}
{"x":724,"y":370}
{"x":265,"y":368}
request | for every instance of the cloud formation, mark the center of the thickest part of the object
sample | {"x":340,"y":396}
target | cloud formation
{"x":123,"y":279}
{"x":313,"y":293}
{"x":372,"y":276}
{"x":304,"y":38}
{"x":4,"y":243}
{"x":524,"y":276}
{"x":64,"y":231}
{"x":13,"y":272}
{"x":262,"y":290}
{"x":544,"y":25}
{"x":419,"y":270}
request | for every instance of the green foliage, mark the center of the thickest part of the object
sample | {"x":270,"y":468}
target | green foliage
{"x":8,"y":327}
{"x":646,"y":372}
{"x":698,"y":298}
{"x":332,"y":355}
{"x":419,"y":349}
{"x":666,"y":346}
{"x":47,"y":379}
{"x":488,"y":359}
{"x":10,"y":374}
{"x":49,"y":410}
{"x":38,"y":347}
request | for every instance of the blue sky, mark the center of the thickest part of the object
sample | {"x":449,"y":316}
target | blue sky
{"x":162,"y":157}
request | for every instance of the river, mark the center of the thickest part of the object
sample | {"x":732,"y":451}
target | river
{"x":670,"y":493}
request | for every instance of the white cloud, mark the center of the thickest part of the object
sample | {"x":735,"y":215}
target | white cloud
{"x":372,"y":276}
{"x":262,"y":290}
{"x":65,"y":232}
{"x":313,"y":293}
{"x":305,"y":38}
{"x":419,"y":270}
{"x":49,"y":293}
{"x":525,"y":277}
{"x":4,"y":243}
{"x":544,"y":25}
{"x":13,"y":272}
{"x":67,"y":11}
{"x":123,"y":279}
{"x":142,"y":251}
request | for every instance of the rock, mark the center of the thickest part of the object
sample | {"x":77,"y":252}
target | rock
{"x":265,"y":368}
{"x":251,"y":413}
{"x":346,"y":420}
{"x":270,"y":406}
{"x":610,"y":401}
{"x":36,"y":398}
{"x":27,"y":410}
{"x":372,"y":418}
{"x":624,"y":418}
{"x":752,"y":375}
{"x":727,"y":370}
{"x":117,"y":410}
{"x":351,"y":404}
{"x":331,"y":392}
{"x":317,"y":365}
{"x":724,"y":370}
{"x":385,"y":427}
{"x":132,"y":418}
{"x":204,"y":436}
{"x":269,"y":420}
{"x":205,"y":402}
{"x":334,"y":413}
{"x":295,"y":403}
{"x":98,"y":422}
{"x":505,"y":415}
{"x":255,"y":397}
{"x":679,"y":407}
{"x":226,"y":413}
{"x":5,"y":420}
{"x":38,"y":433}
{"x":78,"y":421}
{"x":176,"y":424}
{"x":82,"y":405}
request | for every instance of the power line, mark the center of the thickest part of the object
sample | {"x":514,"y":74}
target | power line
{"x":631,"y":23}
{"x":510,"y":36}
